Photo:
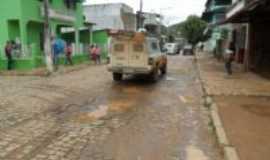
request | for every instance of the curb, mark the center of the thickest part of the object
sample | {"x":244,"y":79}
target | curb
{"x":229,"y":150}
{"x":44,"y":73}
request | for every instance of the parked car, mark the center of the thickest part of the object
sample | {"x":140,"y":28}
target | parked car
{"x":172,"y":48}
{"x":133,"y":54}
{"x":188,"y":50}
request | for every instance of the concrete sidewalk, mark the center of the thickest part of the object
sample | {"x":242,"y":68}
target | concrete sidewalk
{"x":243,"y":106}
{"x":240,"y":83}
{"x":43,"y":72}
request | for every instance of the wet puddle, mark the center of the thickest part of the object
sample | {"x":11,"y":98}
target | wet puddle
{"x":121,"y":106}
{"x":131,"y":90}
{"x":116,"y":106}
{"x":193,"y":153}
{"x":99,"y":113}
{"x":185,"y":99}
{"x":170,"y":78}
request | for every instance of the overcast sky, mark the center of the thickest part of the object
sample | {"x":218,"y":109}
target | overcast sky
{"x":174,"y":10}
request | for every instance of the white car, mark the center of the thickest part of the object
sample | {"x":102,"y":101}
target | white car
{"x":172,"y":48}
{"x":188,"y":50}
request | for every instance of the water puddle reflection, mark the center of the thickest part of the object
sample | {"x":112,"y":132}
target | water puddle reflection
{"x":193,"y":153}
{"x":115,"y":106}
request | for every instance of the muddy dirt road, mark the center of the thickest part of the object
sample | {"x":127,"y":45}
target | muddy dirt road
{"x":87,"y":116}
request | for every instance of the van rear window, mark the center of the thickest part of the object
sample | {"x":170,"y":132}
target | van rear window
{"x":138,"y":47}
{"x":119,"y":47}
{"x":154,"y":46}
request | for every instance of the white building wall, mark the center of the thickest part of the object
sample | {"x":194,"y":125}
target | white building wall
{"x":109,"y":16}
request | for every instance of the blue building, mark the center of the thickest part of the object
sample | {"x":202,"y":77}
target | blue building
{"x":214,"y":14}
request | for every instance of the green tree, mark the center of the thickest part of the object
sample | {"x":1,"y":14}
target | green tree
{"x":171,"y":39}
{"x":193,"y":29}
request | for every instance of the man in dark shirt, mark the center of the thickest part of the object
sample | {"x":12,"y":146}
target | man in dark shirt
{"x":229,"y":58}
{"x":8,"y":52}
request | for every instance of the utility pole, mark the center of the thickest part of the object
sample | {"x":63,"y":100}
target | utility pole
{"x":140,"y":16}
{"x":141,"y":6}
{"x":47,"y":38}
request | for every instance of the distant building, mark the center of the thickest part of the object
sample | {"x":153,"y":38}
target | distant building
{"x":215,"y":10}
{"x":215,"y":13}
{"x":111,"y":16}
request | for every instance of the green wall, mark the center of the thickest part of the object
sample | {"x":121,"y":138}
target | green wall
{"x":22,"y":19}
{"x":101,"y":38}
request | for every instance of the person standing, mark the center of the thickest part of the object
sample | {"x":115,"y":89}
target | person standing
{"x":93,"y":52}
{"x":58,"y":48}
{"x":98,"y":54}
{"x":69,"y":54}
{"x":8,"y":52}
{"x":229,"y":58}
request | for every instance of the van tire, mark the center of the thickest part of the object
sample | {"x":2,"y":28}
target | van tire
{"x":117,"y":76}
{"x":154,"y":75}
{"x":164,"y":69}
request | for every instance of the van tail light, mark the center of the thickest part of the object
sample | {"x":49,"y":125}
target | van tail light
{"x":151,"y":61}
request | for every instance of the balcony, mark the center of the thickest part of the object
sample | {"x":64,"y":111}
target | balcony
{"x":217,"y":8}
{"x":66,"y":15}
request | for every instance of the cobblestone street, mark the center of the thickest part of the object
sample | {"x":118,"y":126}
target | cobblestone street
{"x":84,"y":115}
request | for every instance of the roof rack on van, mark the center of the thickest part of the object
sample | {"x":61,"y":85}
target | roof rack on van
{"x":121,"y":32}
{"x":138,"y":37}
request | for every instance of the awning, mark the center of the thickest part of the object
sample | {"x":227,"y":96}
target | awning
{"x":86,"y":23}
{"x":240,"y":13}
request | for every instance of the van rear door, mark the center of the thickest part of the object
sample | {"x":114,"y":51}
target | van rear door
{"x":128,"y":53}
{"x":119,"y":53}
{"x":137,"y":54}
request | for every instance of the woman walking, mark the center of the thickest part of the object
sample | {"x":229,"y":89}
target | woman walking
{"x":8,"y":52}
{"x":69,"y":54}
{"x":98,"y":54}
{"x":92,"y":53}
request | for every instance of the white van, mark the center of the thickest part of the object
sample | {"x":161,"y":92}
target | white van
{"x":135,"y":53}
{"x":172,"y":48}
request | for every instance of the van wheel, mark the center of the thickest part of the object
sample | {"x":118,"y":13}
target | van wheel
{"x":117,"y":76}
{"x":154,"y":75}
{"x":164,"y":69}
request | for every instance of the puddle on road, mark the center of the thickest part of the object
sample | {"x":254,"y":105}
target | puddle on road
{"x":170,"y":79}
{"x":185,"y":99}
{"x":116,"y":106}
{"x":131,"y":90}
{"x":99,"y":113}
{"x":193,"y":153}
{"x":120,"y":106}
